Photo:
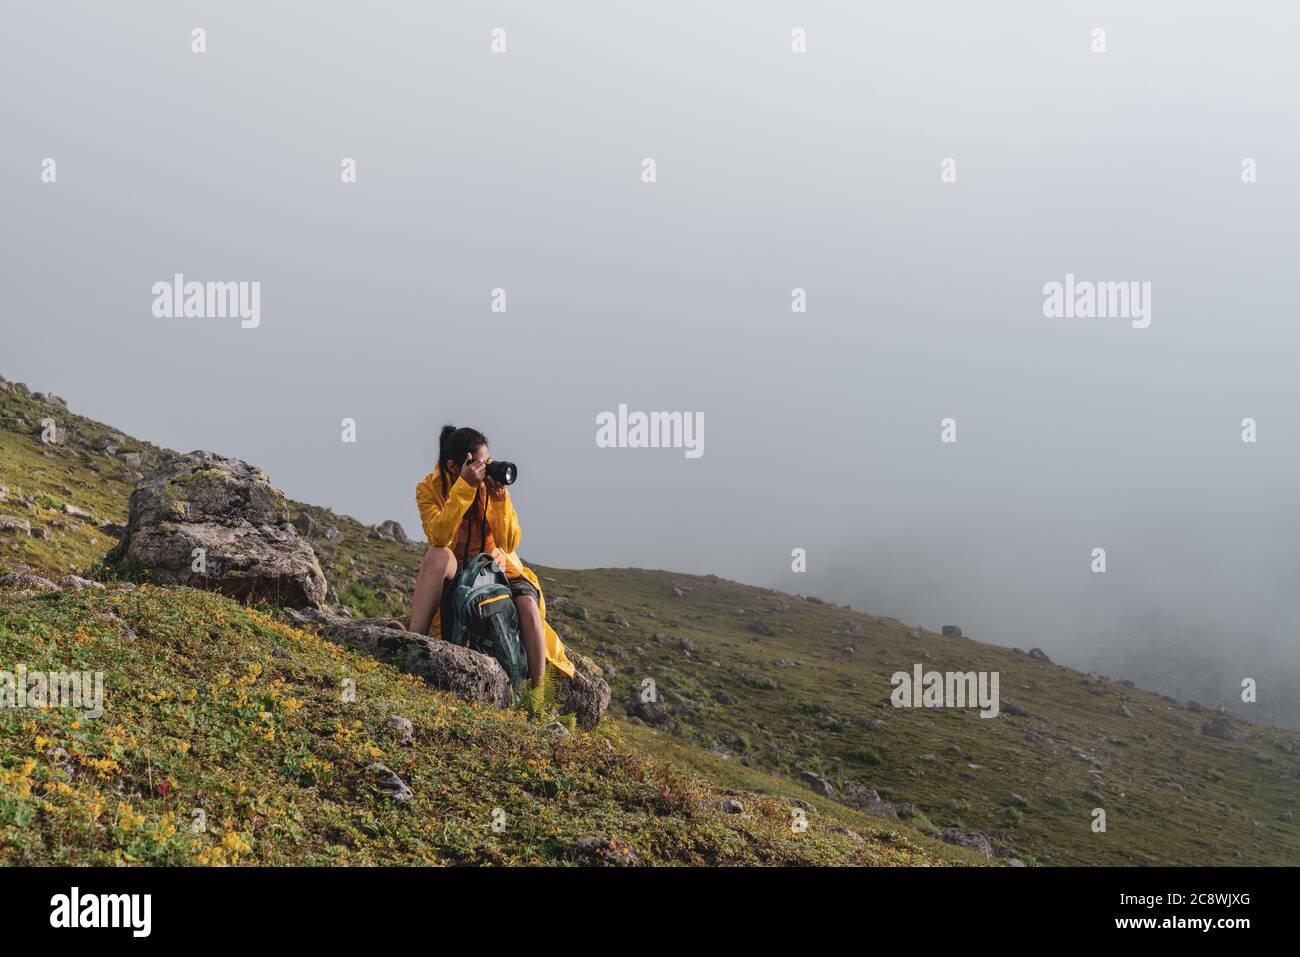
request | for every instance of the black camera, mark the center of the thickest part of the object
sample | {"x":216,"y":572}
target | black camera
{"x":503,"y":473}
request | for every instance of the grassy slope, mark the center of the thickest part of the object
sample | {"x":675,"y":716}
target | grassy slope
{"x":1172,"y":794}
{"x":224,"y":708}
{"x":221,"y":707}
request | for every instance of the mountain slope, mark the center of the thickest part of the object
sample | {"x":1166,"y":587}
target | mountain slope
{"x":757,"y":687}
{"x":227,"y":738}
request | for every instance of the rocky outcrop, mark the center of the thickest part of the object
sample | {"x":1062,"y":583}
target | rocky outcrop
{"x":390,"y":530}
{"x":442,"y":665}
{"x":218,"y":523}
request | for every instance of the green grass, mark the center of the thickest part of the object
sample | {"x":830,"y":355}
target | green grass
{"x":221,"y":709}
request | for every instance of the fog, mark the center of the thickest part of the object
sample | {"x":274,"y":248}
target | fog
{"x":774,"y":171}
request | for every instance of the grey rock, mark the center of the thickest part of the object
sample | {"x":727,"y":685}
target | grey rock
{"x":12,"y":525}
{"x":1039,"y":655}
{"x":1224,"y":729}
{"x":973,"y":840}
{"x":76,"y":583}
{"x":585,"y":695}
{"x":818,"y":783}
{"x":391,"y":531}
{"x":401,"y":727}
{"x":394,"y":787}
{"x":316,"y":616}
{"x":651,"y":712}
{"x":442,"y":665}
{"x":847,"y":832}
{"x":950,"y":631}
{"x":229,"y":509}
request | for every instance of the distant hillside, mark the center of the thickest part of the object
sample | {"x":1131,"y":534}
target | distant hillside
{"x":766,"y":693}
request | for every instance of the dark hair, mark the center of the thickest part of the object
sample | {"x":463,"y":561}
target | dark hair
{"x":455,"y":444}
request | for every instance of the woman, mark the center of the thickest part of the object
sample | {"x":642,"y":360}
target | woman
{"x":453,"y":501}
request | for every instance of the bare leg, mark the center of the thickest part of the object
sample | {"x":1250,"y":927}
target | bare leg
{"x":438,"y":568}
{"x":534,"y":636}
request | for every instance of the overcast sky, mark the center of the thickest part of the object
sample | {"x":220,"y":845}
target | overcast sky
{"x":821,"y":170}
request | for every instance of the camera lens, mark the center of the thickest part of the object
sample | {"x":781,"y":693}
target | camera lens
{"x":503,"y":473}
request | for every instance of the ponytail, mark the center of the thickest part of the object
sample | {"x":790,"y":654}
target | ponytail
{"x":455,"y":444}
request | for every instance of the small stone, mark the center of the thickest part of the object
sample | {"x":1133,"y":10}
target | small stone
{"x":394,"y":787}
{"x":402,"y":727}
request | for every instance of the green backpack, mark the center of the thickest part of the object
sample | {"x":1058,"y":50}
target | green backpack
{"x":478,"y":612}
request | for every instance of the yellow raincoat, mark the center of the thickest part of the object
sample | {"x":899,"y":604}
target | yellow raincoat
{"x":441,"y":518}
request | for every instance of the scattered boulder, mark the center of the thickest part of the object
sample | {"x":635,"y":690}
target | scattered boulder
{"x":229,"y":510}
{"x":950,"y":631}
{"x":568,"y":606}
{"x":760,"y":627}
{"x":818,"y":783}
{"x":309,"y":522}
{"x":1016,"y":710}
{"x":867,"y":799}
{"x":1039,"y":655}
{"x":22,"y":578}
{"x":318,"y":616}
{"x":401,"y":727}
{"x":616,"y":620}
{"x":81,"y":513}
{"x":973,"y":840}
{"x":12,"y":525}
{"x":393,"y":787}
{"x":1224,"y":729}
{"x":76,"y":583}
{"x":847,"y":832}
{"x":390,"y":531}
{"x":727,"y":806}
{"x":442,"y":665}
{"x":651,"y":712}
